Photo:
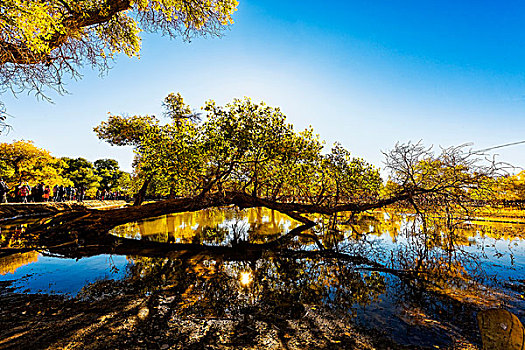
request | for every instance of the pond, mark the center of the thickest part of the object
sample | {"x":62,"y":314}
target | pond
{"x":222,"y":263}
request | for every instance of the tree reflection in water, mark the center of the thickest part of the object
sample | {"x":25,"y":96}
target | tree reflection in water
{"x":260,"y":266}
{"x":279,"y":286}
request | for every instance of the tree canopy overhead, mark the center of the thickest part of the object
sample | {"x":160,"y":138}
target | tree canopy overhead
{"x":41,"y":40}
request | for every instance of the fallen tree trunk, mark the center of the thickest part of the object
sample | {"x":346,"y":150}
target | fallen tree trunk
{"x":99,"y":222}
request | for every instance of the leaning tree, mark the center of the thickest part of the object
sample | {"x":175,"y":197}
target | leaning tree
{"x":246,"y":155}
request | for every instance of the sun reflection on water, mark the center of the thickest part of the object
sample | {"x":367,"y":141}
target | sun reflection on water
{"x":245,"y":278}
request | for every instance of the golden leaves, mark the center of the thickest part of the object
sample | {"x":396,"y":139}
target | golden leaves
{"x":40,"y":41}
{"x":23,"y":161}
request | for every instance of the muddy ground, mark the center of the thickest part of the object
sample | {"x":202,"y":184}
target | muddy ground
{"x":109,"y":318}
{"x":127,"y":322}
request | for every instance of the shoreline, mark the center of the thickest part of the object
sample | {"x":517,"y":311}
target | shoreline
{"x":15,"y":210}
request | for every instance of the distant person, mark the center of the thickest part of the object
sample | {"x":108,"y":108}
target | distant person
{"x":68,"y":193}
{"x":24,"y":191}
{"x":47,"y":193}
{"x":80,"y":193}
{"x":38,"y":192}
{"x":42,"y":188}
{"x":61,"y":193}
{"x":3,"y":191}
{"x":32,"y":194}
{"x":55,"y":193}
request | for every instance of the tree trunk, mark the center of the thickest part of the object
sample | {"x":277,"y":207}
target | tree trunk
{"x":141,"y":194}
{"x":172,"y":193}
{"x":92,"y":222}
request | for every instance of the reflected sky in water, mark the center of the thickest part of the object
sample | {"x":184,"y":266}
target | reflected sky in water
{"x":54,"y":275}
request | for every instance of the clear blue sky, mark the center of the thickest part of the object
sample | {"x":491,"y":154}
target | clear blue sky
{"x":366,"y":74}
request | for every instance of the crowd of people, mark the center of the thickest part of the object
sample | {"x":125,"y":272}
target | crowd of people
{"x":24,"y":193}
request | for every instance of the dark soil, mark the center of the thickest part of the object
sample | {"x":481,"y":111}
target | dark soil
{"x":127,"y":322}
{"x":103,"y":320}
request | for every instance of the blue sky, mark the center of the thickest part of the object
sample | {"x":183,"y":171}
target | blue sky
{"x":366,"y":74}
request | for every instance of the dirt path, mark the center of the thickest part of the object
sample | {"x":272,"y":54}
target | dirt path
{"x":9,"y":210}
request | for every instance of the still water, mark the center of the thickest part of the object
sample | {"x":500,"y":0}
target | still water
{"x":461,"y":269}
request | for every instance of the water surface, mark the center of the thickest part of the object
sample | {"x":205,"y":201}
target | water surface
{"x":474,"y":266}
